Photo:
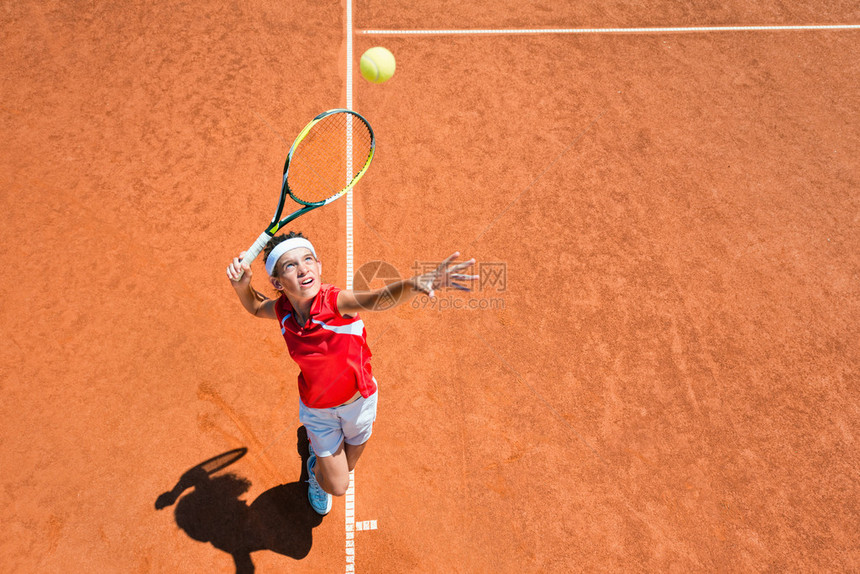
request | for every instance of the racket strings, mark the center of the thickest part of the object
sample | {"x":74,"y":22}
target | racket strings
{"x":327,"y":160}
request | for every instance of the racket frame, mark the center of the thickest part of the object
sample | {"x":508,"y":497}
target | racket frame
{"x":277,"y":223}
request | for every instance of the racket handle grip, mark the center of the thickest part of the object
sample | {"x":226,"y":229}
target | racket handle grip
{"x":255,"y":249}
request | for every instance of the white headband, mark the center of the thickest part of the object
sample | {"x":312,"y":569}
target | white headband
{"x":283,"y":247}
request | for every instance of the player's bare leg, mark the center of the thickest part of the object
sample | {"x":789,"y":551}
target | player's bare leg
{"x":332,"y":472}
{"x":353,"y":453}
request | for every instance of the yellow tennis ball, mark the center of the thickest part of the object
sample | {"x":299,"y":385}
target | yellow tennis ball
{"x":377,"y":65}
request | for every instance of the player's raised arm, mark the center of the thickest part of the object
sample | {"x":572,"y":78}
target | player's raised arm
{"x":447,"y":274}
{"x":257,"y":304}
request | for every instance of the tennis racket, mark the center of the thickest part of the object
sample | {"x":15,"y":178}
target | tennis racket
{"x":327,"y":159}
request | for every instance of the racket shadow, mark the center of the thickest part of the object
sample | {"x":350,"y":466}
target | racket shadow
{"x":280,"y":520}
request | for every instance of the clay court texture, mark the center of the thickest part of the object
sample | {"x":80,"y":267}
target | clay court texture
{"x":657,"y":371}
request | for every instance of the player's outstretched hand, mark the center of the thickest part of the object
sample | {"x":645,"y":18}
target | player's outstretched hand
{"x":445,"y":275}
{"x":236,"y":269}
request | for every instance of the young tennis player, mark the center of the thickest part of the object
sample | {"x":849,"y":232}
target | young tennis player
{"x":326,"y":337}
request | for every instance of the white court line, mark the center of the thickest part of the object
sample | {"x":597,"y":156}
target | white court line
{"x":692,"y":29}
{"x":350,"y":524}
{"x":349,"y":194}
{"x":365,"y":525}
{"x":350,"y":247}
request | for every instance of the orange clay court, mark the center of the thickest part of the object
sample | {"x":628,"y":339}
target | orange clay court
{"x":657,"y":372}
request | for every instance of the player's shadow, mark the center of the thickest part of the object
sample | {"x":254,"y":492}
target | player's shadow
{"x":280,"y":520}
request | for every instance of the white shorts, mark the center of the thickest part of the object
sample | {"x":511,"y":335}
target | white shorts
{"x":327,"y":428}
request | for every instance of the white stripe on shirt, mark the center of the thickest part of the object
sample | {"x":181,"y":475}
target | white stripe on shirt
{"x":355,"y":328}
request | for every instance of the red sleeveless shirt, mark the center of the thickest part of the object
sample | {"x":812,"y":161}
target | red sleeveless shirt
{"x":331,"y":351}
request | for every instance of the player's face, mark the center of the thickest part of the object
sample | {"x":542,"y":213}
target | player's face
{"x":298,"y":274}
